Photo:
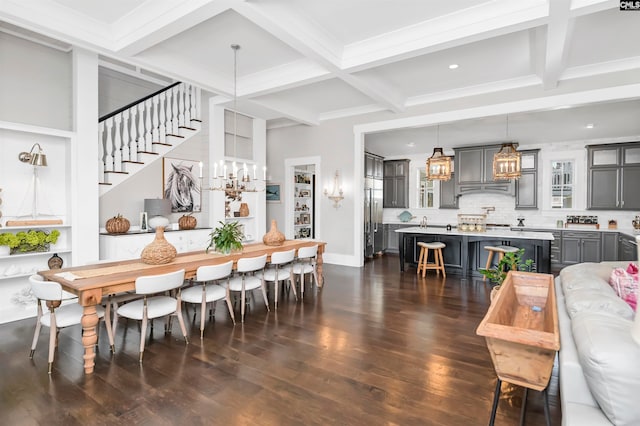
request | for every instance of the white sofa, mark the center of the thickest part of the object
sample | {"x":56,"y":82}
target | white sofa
{"x":599,"y":363}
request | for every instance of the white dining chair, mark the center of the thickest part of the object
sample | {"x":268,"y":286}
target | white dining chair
{"x":207,"y":291}
{"x":281,"y":269}
{"x":250,"y":276}
{"x":155,"y":303}
{"x":58,"y":315}
{"x":306,"y":264}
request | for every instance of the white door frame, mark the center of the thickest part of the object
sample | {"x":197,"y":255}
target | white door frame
{"x":289,"y":166}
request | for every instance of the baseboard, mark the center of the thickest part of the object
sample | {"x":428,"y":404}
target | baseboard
{"x":340,"y":259}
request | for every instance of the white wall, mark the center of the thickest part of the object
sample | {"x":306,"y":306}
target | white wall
{"x":116,"y":90}
{"x":35,"y":84}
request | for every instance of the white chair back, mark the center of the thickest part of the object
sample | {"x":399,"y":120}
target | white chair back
{"x":307,"y":252}
{"x":281,"y":257}
{"x":45,"y":290}
{"x":158,"y":283}
{"x":250,"y":264}
{"x":214,"y":272}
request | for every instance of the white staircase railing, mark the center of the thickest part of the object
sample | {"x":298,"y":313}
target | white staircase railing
{"x":144,"y":127}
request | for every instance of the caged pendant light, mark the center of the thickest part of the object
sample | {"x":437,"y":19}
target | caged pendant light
{"x":438,"y":165}
{"x":507,"y":161}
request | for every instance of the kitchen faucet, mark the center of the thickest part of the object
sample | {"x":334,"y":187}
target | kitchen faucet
{"x":423,"y":223}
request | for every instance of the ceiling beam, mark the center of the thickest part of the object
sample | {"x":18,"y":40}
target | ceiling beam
{"x":312,"y":42}
{"x":559,"y":31}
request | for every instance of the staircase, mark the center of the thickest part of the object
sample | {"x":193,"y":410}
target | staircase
{"x":140,"y":133}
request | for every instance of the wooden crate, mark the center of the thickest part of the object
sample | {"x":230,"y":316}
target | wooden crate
{"x":521,"y":329}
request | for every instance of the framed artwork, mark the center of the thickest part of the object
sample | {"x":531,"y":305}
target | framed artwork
{"x":144,"y":224}
{"x":273,"y":192}
{"x":181,"y":185}
{"x":305,"y":218}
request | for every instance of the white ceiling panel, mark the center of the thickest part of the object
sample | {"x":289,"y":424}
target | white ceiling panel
{"x":104,"y":11}
{"x":354,"y":20}
{"x":496,"y":59}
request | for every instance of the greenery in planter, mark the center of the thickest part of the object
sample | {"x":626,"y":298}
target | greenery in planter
{"x":497,"y":275}
{"x":24,"y":242}
{"x":226,"y":238}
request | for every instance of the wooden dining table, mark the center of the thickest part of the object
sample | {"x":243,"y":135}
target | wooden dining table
{"x":92,"y":282}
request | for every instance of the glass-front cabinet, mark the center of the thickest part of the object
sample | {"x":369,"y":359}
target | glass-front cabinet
{"x":304,"y":182}
{"x":562,"y":184}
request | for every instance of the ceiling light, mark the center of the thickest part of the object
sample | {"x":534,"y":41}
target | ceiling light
{"x":453,"y":66}
{"x":506,"y":162}
{"x":590,"y":126}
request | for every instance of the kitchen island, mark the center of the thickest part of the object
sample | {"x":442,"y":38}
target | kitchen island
{"x":464,"y":253}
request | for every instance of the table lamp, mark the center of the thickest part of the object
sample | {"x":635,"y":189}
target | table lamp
{"x":158,"y":210}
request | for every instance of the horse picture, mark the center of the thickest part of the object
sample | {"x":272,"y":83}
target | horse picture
{"x":181,"y":186}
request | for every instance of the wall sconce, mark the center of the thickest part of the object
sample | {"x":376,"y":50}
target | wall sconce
{"x":34,"y":158}
{"x":336,"y":194}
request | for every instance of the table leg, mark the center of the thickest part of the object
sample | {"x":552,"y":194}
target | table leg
{"x":401,"y":250}
{"x":523,"y":410}
{"x":496,"y":398}
{"x":547,"y":415}
{"x":89,"y":336}
{"x":319,"y":267}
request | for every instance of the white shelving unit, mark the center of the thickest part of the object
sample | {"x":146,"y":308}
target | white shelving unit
{"x":303,"y":206}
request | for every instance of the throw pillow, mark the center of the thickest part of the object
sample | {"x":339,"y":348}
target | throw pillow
{"x":625,"y":284}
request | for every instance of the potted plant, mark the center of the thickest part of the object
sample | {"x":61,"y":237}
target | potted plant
{"x":226,"y":238}
{"x":29,"y":241}
{"x":497,"y":275}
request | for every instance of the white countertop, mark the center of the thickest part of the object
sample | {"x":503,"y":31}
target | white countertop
{"x":498,"y":233}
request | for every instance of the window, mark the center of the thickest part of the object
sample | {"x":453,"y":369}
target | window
{"x":562,"y":184}
{"x":425,"y":190}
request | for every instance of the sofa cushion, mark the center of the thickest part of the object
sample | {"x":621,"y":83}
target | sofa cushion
{"x":609,"y":358}
{"x":597,"y":300}
{"x":590,"y":275}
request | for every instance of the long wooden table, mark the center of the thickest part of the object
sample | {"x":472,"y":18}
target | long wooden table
{"x":92,"y":282}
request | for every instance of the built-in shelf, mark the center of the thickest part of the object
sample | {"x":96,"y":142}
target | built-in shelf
{"x":14,"y":228}
{"x":240,"y":218}
{"x":39,"y":253}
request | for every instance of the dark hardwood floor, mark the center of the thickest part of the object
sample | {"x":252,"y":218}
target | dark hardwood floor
{"x":374,"y":347}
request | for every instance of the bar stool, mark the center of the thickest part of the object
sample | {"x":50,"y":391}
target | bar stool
{"x":423,"y":260}
{"x":501,"y":250}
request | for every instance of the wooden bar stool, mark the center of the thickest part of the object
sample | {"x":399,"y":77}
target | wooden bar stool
{"x":501,"y":250}
{"x":438,"y":262}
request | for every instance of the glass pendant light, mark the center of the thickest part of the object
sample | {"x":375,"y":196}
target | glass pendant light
{"x":438,"y":165}
{"x":507,"y":161}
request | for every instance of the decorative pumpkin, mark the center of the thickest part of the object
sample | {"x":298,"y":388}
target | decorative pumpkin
{"x":187,"y":222}
{"x":117,"y":225}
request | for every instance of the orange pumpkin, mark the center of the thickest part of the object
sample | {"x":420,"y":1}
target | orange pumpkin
{"x":187,"y":222}
{"x":117,"y":225}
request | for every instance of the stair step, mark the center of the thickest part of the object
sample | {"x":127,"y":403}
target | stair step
{"x":188,"y":128}
{"x":175,"y":136}
{"x":132,"y":162}
{"x":161,"y":143}
{"x":148,"y":152}
{"x":196,"y":120}
{"x":116,"y":172}
{"x":104,"y":183}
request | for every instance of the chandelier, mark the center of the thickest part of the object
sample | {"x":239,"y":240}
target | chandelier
{"x":506,"y":162}
{"x":438,"y":165}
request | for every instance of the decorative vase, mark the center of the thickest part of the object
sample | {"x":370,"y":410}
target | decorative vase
{"x":244,"y":210}
{"x":273,"y":237}
{"x":55,"y":261}
{"x":160,"y":251}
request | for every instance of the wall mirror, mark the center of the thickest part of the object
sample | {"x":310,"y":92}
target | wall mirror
{"x":424,"y":195}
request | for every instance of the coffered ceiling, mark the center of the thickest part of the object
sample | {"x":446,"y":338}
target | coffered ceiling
{"x":307,"y":61}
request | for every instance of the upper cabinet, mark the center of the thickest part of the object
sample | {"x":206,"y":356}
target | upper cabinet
{"x":527,"y":185}
{"x":396,"y":184}
{"x":614,"y":171}
{"x":373,"y":166}
{"x":474,"y":171}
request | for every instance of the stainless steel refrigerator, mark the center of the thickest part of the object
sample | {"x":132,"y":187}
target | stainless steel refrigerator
{"x":373,"y":230}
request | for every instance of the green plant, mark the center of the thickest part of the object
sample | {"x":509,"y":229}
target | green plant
{"x":497,"y":275}
{"x":22,"y":242}
{"x":225,"y":238}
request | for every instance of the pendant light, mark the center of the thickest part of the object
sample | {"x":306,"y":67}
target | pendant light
{"x":506,"y":162}
{"x":438,"y":165}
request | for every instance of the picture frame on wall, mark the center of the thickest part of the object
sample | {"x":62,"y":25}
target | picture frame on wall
{"x":273,"y":192}
{"x":181,"y":184}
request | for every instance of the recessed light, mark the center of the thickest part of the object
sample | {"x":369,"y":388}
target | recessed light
{"x":453,"y":66}
{"x":411,"y":144}
{"x":590,"y":126}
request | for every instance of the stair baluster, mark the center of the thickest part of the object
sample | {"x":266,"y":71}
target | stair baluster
{"x":181,"y":105}
{"x":133,"y":151}
{"x":102,"y":149}
{"x":148,"y":141}
{"x":169,"y":115}
{"x":117,"y":144}
{"x":141,"y":144}
{"x":187,"y":106}
{"x":174,"y":109}
{"x":126,"y":140}
{"x":155,"y":134}
{"x":163,"y":118}
{"x":108,"y":163}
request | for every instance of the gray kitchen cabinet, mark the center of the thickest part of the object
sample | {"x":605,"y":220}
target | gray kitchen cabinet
{"x":373,"y":166}
{"x":613,"y":173}
{"x":527,"y":185}
{"x":396,"y":184}
{"x":609,"y":246}
{"x":474,"y":171}
{"x":627,"y":248}
{"x":448,"y":198}
{"x":580,"y":246}
{"x":392,"y":238}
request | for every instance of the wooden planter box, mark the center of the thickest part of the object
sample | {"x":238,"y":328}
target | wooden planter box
{"x":521,"y":329}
